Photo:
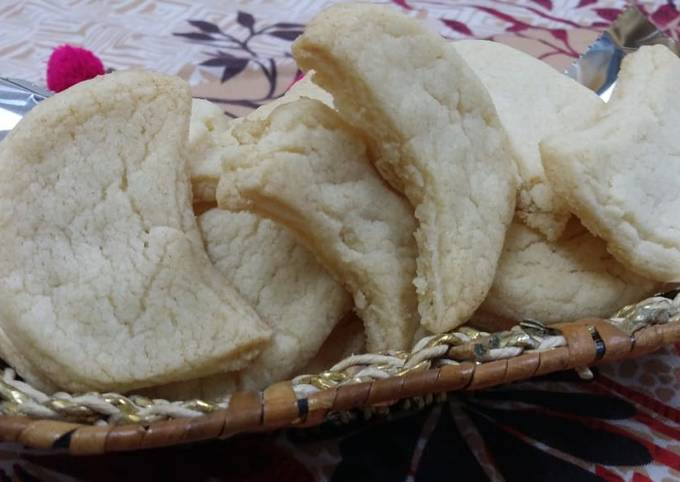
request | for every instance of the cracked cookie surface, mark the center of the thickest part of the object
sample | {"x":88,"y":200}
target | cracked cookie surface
{"x":305,"y":168}
{"x":346,"y":339}
{"x":533,"y":100}
{"x":286,"y":286}
{"x":104,"y":280}
{"x":620,"y":174}
{"x":435,"y":136}
{"x":560,"y":281}
{"x":211,"y":140}
{"x":208,"y":137}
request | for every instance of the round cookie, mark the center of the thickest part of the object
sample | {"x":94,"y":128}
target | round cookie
{"x":560,"y":281}
{"x":533,"y":100}
{"x":288,"y":289}
{"x":281,"y":279}
{"x":620,"y":174}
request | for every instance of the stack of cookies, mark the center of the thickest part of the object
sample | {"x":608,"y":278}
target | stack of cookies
{"x":406,"y":186}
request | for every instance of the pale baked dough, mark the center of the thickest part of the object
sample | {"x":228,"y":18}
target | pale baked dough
{"x":436,"y":137}
{"x":621,"y":174}
{"x":104,"y":281}
{"x":22,"y":365}
{"x":347,"y":338}
{"x":288,"y":289}
{"x":303,"y":88}
{"x":533,"y":100}
{"x":307,"y":169}
{"x":210,"y":138}
{"x":560,"y":281}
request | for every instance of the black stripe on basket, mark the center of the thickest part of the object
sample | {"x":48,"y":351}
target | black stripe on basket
{"x":600,"y":346}
{"x":64,"y":441}
{"x":303,"y":408}
{"x":670,"y":294}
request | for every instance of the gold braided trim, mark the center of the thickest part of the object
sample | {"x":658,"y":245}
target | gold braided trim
{"x":462,"y":344}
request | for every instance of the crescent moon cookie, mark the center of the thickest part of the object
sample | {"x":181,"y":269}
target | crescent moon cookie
{"x":210,"y":138}
{"x":104,"y":281}
{"x":533,"y":101}
{"x":560,"y":281}
{"x":435,"y":137}
{"x":288,"y":289}
{"x":621,"y":174}
{"x":306,"y":169}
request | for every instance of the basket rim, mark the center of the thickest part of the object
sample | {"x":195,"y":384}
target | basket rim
{"x":587,"y":342}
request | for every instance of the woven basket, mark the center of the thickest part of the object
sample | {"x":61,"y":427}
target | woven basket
{"x":438,"y":364}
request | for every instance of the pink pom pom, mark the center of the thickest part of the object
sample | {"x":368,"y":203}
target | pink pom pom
{"x":69,"y":65}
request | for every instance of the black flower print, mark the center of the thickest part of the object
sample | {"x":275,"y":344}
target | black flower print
{"x":232,"y":54}
{"x":555,"y":429}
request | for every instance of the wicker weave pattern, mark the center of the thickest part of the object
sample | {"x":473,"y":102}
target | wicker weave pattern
{"x":463,"y":360}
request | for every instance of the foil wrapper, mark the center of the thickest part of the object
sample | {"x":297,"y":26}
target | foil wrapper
{"x":17,"y":97}
{"x":598,"y":68}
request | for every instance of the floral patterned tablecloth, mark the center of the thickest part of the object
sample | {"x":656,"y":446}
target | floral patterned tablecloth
{"x":624,"y":425}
